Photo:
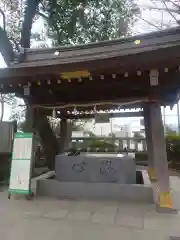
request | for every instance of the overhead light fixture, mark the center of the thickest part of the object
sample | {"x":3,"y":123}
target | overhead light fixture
{"x":137,"y":42}
{"x":26,"y":91}
{"x":56,"y":53}
{"x":139,"y":73}
{"x":79,"y":79}
{"x":154,"y":77}
{"x":54,"y":113}
{"x":126,"y":74}
{"x":102,"y":77}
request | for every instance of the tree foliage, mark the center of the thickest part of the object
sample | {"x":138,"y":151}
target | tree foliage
{"x":79,"y":21}
{"x":5,"y":99}
{"x":13,"y":10}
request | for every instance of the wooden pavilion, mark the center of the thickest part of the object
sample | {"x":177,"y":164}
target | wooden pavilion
{"x":144,"y":69}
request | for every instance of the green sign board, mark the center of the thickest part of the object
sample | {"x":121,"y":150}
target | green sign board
{"x":20,"y":177}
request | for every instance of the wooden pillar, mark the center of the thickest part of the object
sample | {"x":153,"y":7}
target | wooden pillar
{"x":136,"y":145}
{"x":144,"y":145}
{"x":29,"y":123}
{"x":157,"y":157}
{"x":128,"y":144}
{"x":149,"y":142}
{"x":65,"y":134}
{"x":120,"y":145}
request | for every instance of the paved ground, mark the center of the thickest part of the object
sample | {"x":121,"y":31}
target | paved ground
{"x":50,"y":219}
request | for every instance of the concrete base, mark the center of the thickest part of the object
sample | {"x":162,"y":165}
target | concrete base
{"x":166,"y":210}
{"x":89,"y":190}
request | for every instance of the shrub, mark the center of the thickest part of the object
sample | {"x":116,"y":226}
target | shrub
{"x":173,"y":147}
{"x":101,"y":145}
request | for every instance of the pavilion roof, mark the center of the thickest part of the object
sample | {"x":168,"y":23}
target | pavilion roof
{"x":73,"y":58}
{"x":110,"y":71}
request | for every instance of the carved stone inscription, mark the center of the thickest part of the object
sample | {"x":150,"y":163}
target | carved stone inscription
{"x":107,"y":168}
{"x":79,"y":167}
{"x":94,"y":169}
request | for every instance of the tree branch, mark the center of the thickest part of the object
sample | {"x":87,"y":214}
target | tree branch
{"x":42,"y":15}
{"x":170,"y":11}
{"x":175,"y":4}
{"x":54,"y":25}
{"x":150,"y":23}
{"x":164,"y":9}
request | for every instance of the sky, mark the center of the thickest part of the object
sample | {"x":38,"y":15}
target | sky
{"x":140,"y":27}
{"x":2,"y":63}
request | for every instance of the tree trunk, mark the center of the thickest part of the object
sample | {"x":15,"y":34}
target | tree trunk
{"x":36,"y":121}
{"x":6,"y":47}
{"x":2,"y":107}
{"x":65,"y":134}
{"x":48,"y":138}
{"x":29,"y":14}
{"x":2,"y":111}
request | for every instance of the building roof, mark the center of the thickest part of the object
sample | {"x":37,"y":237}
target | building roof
{"x":105,"y":72}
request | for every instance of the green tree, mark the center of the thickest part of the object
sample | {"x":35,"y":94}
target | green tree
{"x":80,"y":21}
{"x":7,"y":99}
{"x":169,"y":130}
{"x":67,"y":22}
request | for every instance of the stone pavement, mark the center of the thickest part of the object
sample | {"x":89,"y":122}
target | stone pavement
{"x":50,"y":219}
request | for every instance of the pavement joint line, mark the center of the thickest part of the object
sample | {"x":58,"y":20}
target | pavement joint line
{"x":174,"y":238}
{"x":116,"y":215}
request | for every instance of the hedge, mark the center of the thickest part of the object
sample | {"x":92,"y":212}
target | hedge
{"x":102,"y":146}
